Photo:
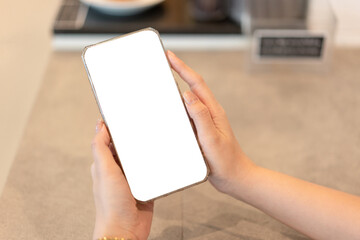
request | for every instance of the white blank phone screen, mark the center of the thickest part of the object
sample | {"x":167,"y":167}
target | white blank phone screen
{"x":142,"y":107}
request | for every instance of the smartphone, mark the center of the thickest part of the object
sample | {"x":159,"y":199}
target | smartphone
{"x":144,"y":112}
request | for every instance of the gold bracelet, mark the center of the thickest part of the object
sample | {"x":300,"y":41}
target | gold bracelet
{"x":113,"y":238}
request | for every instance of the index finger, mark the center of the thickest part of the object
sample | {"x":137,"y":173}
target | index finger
{"x":103,"y":157}
{"x":195,"y":82}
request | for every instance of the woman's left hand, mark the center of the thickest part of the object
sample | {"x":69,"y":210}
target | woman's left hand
{"x":118,"y":214}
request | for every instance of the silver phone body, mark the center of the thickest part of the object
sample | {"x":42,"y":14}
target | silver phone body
{"x":140,"y":103}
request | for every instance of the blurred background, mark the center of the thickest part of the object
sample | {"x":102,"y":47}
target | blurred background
{"x":33,"y":32}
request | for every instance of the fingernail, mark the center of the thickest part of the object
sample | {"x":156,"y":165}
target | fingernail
{"x":190,"y":97}
{"x":171,"y":54}
{"x":99,"y":125}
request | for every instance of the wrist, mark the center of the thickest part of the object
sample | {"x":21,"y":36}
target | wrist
{"x":242,"y":181}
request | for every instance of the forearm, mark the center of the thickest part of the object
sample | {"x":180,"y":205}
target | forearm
{"x":314,"y":210}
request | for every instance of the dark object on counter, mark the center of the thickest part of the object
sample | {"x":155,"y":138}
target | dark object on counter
{"x":293,"y":47}
{"x":208,"y":10}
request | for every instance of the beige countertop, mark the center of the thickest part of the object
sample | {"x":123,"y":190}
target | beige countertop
{"x":305,"y":124}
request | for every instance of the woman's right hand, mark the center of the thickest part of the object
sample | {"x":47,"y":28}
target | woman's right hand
{"x":226,"y":160}
{"x":314,"y":210}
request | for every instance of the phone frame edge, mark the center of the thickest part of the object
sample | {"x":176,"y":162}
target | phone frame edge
{"x":104,"y":119}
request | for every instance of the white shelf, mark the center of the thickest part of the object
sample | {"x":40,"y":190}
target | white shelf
{"x":76,"y":42}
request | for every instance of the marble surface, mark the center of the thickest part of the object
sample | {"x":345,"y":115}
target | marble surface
{"x":305,"y":124}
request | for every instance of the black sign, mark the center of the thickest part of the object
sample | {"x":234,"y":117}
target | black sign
{"x":293,"y":47}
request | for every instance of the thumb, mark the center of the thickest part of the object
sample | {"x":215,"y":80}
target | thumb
{"x":200,"y":115}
